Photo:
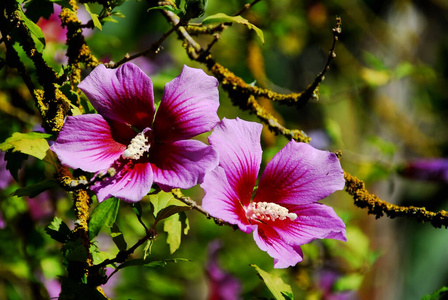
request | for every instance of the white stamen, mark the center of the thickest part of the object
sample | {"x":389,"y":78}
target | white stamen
{"x":268,"y":211}
{"x":137,"y":147}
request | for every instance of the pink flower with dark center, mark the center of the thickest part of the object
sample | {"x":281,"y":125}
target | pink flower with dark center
{"x":284,"y":212}
{"x":140,"y":146}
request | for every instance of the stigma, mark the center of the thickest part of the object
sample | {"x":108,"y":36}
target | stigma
{"x":137,"y":147}
{"x":268,"y":211}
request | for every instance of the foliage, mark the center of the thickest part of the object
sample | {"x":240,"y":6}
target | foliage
{"x":382,"y":105}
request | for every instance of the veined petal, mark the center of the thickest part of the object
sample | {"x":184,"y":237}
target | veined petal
{"x":314,"y":221}
{"x":238,"y":144}
{"x":181,"y":164}
{"x":284,"y":255}
{"x":124,"y":94}
{"x":188,"y":107}
{"x":132,"y":181}
{"x":221,"y":201}
{"x":300,"y":174}
{"x":85,"y":142}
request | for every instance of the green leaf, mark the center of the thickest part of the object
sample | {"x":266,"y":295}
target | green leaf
{"x":173,"y":227}
{"x":166,"y":7}
{"x":63,"y":3}
{"x":137,"y":208}
{"x":118,"y":238}
{"x":437,"y":295}
{"x":223,"y":18}
{"x":58,"y":230}
{"x":35,"y":189}
{"x":94,"y":17}
{"x":103,"y":215}
{"x":275,"y":284}
{"x":31,"y":143}
{"x":35,"y":30}
{"x":166,"y":205}
{"x":149,"y":263}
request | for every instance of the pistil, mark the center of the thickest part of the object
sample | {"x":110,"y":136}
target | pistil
{"x":268,"y":211}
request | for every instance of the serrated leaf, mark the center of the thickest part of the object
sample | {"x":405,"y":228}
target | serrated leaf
{"x":35,"y":189}
{"x":118,"y":238}
{"x":94,"y":17}
{"x":437,"y":295}
{"x":173,"y":227}
{"x":170,"y":210}
{"x":14,"y":162}
{"x":103,"y":215}
{"x":58,"y":230}
{"x":35,"y":30}
{"x":279,"y":289}
{"x":31,"y":143}
{"x":223,"y":18}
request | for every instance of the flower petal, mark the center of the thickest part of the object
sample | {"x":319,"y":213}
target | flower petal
{"x":181,"y":164}
{"x":124,"y":94}
{"x":238,"y":144}
{"x":132,"y":181}
{"x":314,"y":221}
{"x":221,"y":201}
{"x":188,"y":107}
{"x":284,"y":255}
{"x":300,"y":174}
{"x":85,"y":142}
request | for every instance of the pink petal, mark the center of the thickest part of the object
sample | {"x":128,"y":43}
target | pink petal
{"x":132,"y":181}
{"x":221,"y":201}
{"x":85,"y":142}
{"x":188,"y":107}
{"x":181,"y":164}
{"x":124,"y":94}
{"x":300,"y":174}
{"x":238,"y":144}
{"x":314,"y":221}
{"x":284,"y":255}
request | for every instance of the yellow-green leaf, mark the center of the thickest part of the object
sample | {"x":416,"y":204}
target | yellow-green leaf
{"x":32,"y":143}
{"x":279,"y":289}
{"x":223,"y":18}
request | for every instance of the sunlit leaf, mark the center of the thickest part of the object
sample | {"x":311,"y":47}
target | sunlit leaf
{"x":350,"y":282}
{"x":166,"y":205}
{"x":173,"y":227}
{"x":31,"y":143}
{"x":275,"y":284}
{"x":103,"y":215}
{"x":94,"y":17}
{"x":166,"y":7}
{"x":223,"y":18}
{"x":35,"y":30}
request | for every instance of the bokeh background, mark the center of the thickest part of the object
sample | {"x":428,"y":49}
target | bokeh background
{"x":383,"y":104}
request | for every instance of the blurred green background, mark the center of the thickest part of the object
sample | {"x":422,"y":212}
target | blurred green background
{"x":383,"y":103}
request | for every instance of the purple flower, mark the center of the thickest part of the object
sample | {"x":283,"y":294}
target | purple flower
{"x":284,"y":212}
{"x":125,"y":135}
{"x":429,"y":169}
{"x":223,"y":286}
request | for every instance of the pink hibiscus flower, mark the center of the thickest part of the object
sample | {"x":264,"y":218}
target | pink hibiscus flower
{"x":141,"y":148}
{"x":284,"y":212}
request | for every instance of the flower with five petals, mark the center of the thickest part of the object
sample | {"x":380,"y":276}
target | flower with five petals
{"x":284,"y":212}
{"x":143,"y":147}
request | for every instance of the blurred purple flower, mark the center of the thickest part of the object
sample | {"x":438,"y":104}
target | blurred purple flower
{"x":223,"y":286}
{"x":53,"y":287}
{"x":5,"y":175}
{"x":284,"y":213}
{"x":41,"y":206}
{"x":327,"y":279}
{"x":430,"y":169}
{"x":125,"y":135}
